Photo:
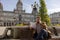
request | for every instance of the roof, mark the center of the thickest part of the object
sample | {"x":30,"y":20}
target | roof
{"x":8,"y":11}
{"x":27,"y":13}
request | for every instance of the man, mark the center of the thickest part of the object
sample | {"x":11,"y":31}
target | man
{"x":40,"y":33}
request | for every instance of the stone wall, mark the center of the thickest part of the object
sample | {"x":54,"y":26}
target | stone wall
{"x":26,"y":33}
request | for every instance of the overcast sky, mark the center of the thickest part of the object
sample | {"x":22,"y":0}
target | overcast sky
{"x":52,"y":5}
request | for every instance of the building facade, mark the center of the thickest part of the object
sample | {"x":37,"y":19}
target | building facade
{"x":55,"y":18}
{"x":18,"y":15}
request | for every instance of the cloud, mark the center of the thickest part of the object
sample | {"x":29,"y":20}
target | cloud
{"x":53,"y":6}
{"x":28,"y":8}
{"x":50,"y":11}
{"x":27,"y":5}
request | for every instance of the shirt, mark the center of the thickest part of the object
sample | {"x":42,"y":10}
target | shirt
{"x":37,"y":27}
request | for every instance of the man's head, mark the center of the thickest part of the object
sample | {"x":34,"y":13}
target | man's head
{"x":38,"y":19}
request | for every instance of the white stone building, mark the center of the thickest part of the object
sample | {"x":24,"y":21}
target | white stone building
{"x":55,"y":18}
{"x":18,"y":15}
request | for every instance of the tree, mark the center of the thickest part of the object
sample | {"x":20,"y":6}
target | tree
{"x":43,"y":12}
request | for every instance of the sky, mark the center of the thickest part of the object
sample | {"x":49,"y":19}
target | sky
{"x":52,"y":5}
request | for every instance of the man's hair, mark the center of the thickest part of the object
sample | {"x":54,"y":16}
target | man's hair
{"x":38,"y":16}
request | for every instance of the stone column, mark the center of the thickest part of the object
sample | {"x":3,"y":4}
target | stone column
{"x":6,"y":23}
{"x":15,"y":33}
{"x":14,"y":23}
{"x":11,"y":23}
{"x":2,"y":23}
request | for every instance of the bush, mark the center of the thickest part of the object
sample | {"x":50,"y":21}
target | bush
{"x":57,"y":24}
{"x":20,"y":25}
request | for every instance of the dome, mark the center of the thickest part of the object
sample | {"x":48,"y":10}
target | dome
{"x":19,"y":2}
